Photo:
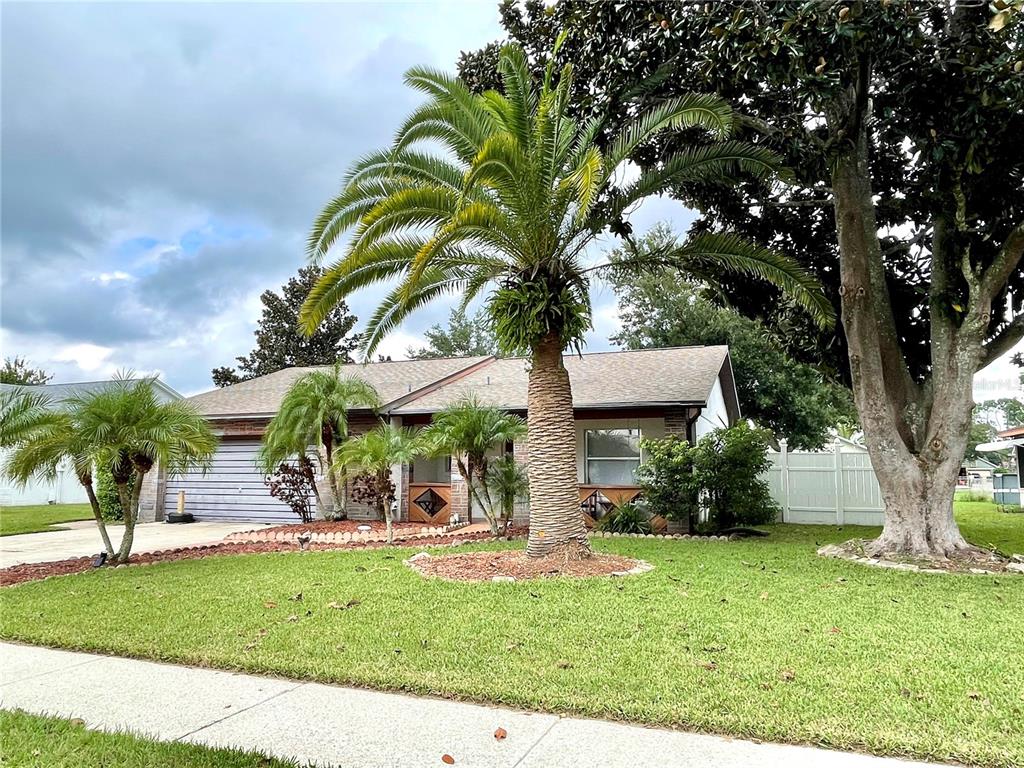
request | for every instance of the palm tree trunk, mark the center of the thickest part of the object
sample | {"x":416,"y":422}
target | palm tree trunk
{"x":556,"y":523}
{"x":97,"y":512}
{"x":131,"y":514}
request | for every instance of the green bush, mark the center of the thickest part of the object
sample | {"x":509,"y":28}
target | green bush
{"x":666,"y":477}
{"x":628,"y":518}
{"x":106,"y":494}
{"x":720,"y":477}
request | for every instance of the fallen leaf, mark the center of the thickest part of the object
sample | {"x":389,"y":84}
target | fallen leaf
{"x":711,"y":666}
{"x":296,"y":598}
{"x":270,"y":604}
{"x":500,"y":734}
{"x":905,"y":693}
{"x":764,"y":595}
{"x":77,"y":721}
{"x":293,"y":617}
{"x":788,"y":675}
{"x":447,"y":759}
{"x":835,"y":631}
{"x":564,"y":665}
{"x":973,"y":695}
{"x":249,"y":646}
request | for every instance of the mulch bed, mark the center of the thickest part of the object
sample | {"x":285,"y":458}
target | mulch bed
{"x":18,"y":574}
{"x":515,"y":565}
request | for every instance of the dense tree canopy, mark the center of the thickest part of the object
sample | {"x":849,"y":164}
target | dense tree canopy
{"x":280,"y":344}
{"x":947,"y":93}
{"x":792,"y":399}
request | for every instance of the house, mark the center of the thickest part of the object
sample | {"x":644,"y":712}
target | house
{"x":65,"y":489}
{"x":619,"y":397}
{"x":976,"y":473}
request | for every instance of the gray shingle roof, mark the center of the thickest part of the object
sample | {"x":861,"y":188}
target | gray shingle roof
{"x":393,"y":380}
{"x":599,"y":379}
{"x":60,"y":392}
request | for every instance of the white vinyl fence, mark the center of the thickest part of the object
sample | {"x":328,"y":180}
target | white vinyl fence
{"x":833,"y":487}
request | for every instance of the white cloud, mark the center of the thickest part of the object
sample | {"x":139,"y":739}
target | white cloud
{"x":110,"y":277}
{"x":88,"y":357}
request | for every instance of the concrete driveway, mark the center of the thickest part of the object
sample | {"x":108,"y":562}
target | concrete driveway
{"x":83,"y":539}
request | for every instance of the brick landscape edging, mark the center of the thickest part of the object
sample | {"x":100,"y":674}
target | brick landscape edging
{"x":336,"y":537}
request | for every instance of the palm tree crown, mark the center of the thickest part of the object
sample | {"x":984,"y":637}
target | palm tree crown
{"x":512,"y":203}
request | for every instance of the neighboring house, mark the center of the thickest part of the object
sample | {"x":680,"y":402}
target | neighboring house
{"x":976,"y":473}
{"x":65,"y":489}
{"x":619,"y":397}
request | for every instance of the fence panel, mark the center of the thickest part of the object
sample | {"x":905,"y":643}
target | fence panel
{"x":830,"y":487}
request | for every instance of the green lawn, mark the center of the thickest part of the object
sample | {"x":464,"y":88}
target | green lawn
{"x":40,"y":517}
{"x":29,"y":741}
{"x":758,"y":638}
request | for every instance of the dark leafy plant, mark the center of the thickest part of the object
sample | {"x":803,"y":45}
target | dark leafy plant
{"x":628,"y":518}
{"x":294,"y":484}
{"x":728,"y":465}
{"x":106,"y":493}
{"x":666,"y":477}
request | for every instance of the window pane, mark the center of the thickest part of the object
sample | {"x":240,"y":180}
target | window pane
{"x":610,"y":443}
{"x":614,"y":472}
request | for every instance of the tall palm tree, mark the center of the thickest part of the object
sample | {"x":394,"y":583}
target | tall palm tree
{"x":43,"y":438}
{"x":128,"y":429}
{"x":314,"y":412}
{"x":373,"y":454}
{"x":467,"y":430}
{"x":519,"y":192}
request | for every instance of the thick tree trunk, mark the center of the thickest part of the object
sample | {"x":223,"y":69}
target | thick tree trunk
{"x":916,"y":434}
{"x":97,"y":513}
{"x":556,"y":522}
{"x":125,"y":497}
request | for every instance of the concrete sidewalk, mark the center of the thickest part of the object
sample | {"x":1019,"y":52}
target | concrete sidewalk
{"x":82,"y":540}
{"x":335,"y":726}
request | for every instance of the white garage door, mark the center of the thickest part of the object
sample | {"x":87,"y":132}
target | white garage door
{"x":231,"y":490}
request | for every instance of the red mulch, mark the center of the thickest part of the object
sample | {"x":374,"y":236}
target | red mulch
{"x":18,"y":574}
{"x":339,"y":526}
{"x":484,"y":566}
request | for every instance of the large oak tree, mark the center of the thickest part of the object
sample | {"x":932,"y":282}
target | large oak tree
{"x":903,"y":124}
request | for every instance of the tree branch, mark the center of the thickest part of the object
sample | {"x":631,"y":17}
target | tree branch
{"x":998,"y":272}
{"x":1003,"y":341}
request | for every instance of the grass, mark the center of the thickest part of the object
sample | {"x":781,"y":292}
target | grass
{"x":30,"y":741}
{"x":40,"y":517}
{"x":756,"y":638}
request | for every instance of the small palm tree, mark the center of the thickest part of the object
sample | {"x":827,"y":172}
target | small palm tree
{"x":128,"y":429}
{"x":314,"y":412}
{"x":43,"y":438}
{"x":519,"y":192}
{"x":373,"y":454}
{"x":467,"y":431}
{"x":507,"y":483}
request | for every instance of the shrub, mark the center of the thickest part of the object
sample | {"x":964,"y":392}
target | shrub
{"x":106,"y":494}
{"x":972,"y":496}
{"x":728,"y":466}
{"x":666,"y":477}
{"x":720,"y":477}
{"x":628,"y":518}
{"x":294,"y":484}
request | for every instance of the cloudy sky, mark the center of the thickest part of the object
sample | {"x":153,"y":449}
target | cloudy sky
{"x":162,"y":163}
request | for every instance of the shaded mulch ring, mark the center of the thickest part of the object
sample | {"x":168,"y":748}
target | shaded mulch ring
{"x":980,"y":561}
{"x":514,"y":565}
{"x":18,"y":574}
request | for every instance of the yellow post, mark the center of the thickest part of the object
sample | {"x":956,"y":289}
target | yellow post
{"x":181,"y":502}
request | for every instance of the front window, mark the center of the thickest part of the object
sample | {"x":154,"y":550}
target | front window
{"x":612,"y":456}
